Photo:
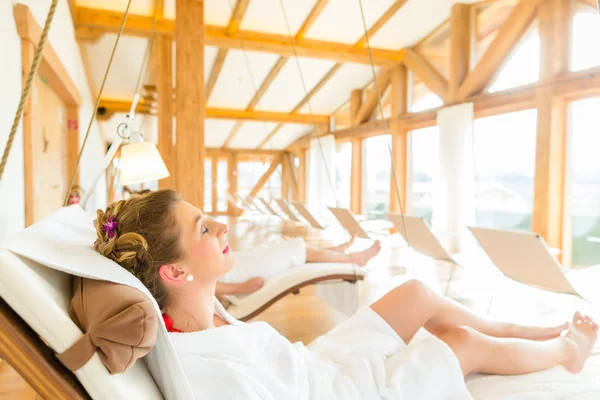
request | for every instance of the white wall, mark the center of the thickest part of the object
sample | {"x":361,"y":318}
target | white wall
{"x":62,"y":38}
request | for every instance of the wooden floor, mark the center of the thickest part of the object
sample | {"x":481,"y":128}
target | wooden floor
{"x":304,"y":317}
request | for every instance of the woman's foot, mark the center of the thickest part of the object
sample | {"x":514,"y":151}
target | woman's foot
{"x":343,"y":247}
{"x":361,"y":258}
{"x":582,"y":336}
{"x":250,"y":286}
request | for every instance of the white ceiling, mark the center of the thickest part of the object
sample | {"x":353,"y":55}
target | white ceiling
{"x":244,"y":71}
{"x":341,"y":20}
{"x":287,"y":90}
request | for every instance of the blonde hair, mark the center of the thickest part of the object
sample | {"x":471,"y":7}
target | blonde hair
{"x":145,"y":237}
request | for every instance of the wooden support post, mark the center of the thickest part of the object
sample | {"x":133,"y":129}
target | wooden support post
{"x":72,"y":142}
{"x":549,"y":199}
{"x":190,"y":100}
{"x":285,"y":181}
{"x":301,"y":176}
{"x":163,"y":54}
{"x":461,"y":46}
{"x":356,"y":170}
{"x":27,"y":53}
{"x":399,"y":98}
{"x":293,"y":176}
{"x":263,"y":179}
{"x":232,"y":176}
{"x":214,"y":178}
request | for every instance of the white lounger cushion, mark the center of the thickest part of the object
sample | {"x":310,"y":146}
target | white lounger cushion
{"x":63,"y":242}
{"x":244,"y":305}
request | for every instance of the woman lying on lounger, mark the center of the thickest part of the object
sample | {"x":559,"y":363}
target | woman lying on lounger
{"x":252,"y":268}
{"x":180,"y":254}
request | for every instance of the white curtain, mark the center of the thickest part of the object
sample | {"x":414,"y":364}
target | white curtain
{"x":321,"y":173}
{"x":454,"y":182}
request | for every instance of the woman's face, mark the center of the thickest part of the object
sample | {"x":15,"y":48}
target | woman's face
{"x":206,"y":253}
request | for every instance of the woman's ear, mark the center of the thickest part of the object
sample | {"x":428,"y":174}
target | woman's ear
{"x":171,"y":274}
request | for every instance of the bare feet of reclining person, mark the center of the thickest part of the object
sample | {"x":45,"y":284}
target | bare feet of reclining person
{"x":583,"y":333}
{"x":361,"y":258}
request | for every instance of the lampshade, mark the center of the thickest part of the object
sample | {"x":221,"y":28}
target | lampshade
{"x":141,"y":162}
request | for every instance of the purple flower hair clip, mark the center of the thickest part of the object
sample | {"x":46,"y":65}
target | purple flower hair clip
{"x":110,"y":227}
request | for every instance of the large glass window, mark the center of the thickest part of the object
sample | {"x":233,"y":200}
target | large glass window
{"x":343,"y":172}
{"x":586,"y":31}
{"x":426,"y":102}
{"x":208,"y":185}
{"x":585,"y":178}
{"x":424,"y":159}
{"x":377,"y":174}
{"x":249,"y":172}
{"x":523,"y":66}
{"x":504,"y":162}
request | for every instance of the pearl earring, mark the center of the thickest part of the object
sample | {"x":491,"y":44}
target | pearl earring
{"x":189,"y":277}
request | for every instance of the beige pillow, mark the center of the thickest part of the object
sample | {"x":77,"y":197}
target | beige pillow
{"x":119,"y":323}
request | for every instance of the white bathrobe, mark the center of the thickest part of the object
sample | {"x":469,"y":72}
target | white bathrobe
{"x":362,"y":358}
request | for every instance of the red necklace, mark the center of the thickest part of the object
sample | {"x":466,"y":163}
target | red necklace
{"x":169,"y":323}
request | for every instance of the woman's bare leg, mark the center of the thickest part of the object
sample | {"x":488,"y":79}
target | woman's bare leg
{"x":360,"y":258}
{"x":479,"y":353}
{"x":413,"y":305}
{"x":342,"y":247}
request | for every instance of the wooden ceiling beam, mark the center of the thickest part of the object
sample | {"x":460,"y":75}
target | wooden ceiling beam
{"x":359,"y":44}
{"x":491,"y":18}
{"x":507,"y":38}
{"x":138,"y":25}
{"x":372,"y":98}
{"x":257,"y":96}
{"x":304,"y":101}
{"x":397,"y":5}
{"x":241,"y":6}
{"x":308,"y":22}
{"x":159,"y":9}
{"x":570,"y":86}
{"x":428,"y":73}
{"x":441,"y":29}
{"x":111,"y":106}
{"x":215,"y":71}
{"x":311,"y":19}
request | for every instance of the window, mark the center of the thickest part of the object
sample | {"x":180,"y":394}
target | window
{"x":377,"y":174}
{"x":585,"y":178}
{"x":249,"y":173}
{"x":424,"y":158}
{"x":272,"y":188}
{"x":522,"y":68}
{"x":584,"y":49}
{"x":208,"y":185}
{"x":222,"y":185}
{"x":504,"y":162}
{"x":343,"y":172}
{"x":426,"y":102}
